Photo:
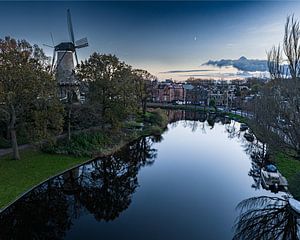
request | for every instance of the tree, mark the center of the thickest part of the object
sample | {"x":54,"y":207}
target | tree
{"x":27,"y":92}
{"x":143,"y":80}
{"x":275,"y":62}
{"x":277,"y":110}
{"x":111,"y":87}
{"x":291,"y":45}
{"x":266,"y":218}
{"x":212,"y":103}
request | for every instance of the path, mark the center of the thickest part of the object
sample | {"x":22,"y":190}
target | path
{"x":5,"y":151}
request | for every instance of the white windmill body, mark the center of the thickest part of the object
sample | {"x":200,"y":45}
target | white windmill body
{"x":66,"y":66}
{"x":63,"y":63}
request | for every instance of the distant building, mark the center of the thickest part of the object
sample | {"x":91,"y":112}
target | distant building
{"x":167,"y":92}
{"x":197,"y":95}
{"x":218,"y":97}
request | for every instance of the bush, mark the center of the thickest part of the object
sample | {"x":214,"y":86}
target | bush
{"x":83,"y":144}
{"x":4,"y":143}
{"x":90,"y":143}
{"x":157,"y":117}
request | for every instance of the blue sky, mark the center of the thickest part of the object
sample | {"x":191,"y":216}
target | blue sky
{"x":157,"y":36}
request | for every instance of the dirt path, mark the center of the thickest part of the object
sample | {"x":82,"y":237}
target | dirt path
{"x":5,"y":151}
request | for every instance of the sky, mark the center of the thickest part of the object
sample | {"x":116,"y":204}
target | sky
{"x":156,"y":36}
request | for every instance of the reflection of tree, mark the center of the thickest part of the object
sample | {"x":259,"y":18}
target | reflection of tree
{"x":103,"y":188}
{"x":114,"y":179}
{"x":42,"y":214}
{"x":266,"y":218}
{"x":232,"y":130}
{"x":259,"y":157}
{"x":108,"y":188}
{"x":255,"y":171}
{"x":211,"y":122}
{"x":142,"y":152}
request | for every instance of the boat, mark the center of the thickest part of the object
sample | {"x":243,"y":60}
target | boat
{"x":243,"y":127}
{"x":271,"y":177}
{"x":295,"y":205}
{"x":249,"y":137}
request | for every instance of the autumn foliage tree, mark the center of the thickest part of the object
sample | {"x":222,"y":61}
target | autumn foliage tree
{"x":28,"y":95}
{"x":143,"y":81}
{"x":114,"y":87}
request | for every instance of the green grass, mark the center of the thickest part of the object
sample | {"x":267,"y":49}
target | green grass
{"x":182,"y":107}
{"x":288,"y":165}
{"x":290,"y":168}
{"x":18,"y":176}
{"x":236,"y":117}
{"x":35,"y":166}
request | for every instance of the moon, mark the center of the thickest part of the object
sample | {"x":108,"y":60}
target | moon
{"x":195,"y":38}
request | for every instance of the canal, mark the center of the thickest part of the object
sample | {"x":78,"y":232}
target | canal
{"x":188,"y":183}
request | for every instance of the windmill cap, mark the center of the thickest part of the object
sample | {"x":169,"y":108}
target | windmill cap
{"x":65,"y":46}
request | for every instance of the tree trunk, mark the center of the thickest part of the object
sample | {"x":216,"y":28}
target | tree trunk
{"x":144,"y":106}
{"x":69,"y":124}
{"x":13,"y":134}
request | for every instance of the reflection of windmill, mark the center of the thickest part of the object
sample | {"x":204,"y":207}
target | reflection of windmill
{"x":63,"y":60}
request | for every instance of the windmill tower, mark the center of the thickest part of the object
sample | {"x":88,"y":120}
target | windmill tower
{"x":63,"y":63}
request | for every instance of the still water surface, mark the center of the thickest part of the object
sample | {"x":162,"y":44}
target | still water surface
{"x":185,"y":184}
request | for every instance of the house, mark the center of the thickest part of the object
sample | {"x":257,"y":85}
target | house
{"x":167,"y":92}
{"x":197,"y":95}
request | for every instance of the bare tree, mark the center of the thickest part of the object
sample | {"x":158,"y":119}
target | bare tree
{"x":277,"y":109}
{"x":275,"y":63}
{"x":291,"y":45}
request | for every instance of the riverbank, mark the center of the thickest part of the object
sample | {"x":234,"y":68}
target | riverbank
{"x":36,"y":166}
{"x":285,"y":159}
{"x":289,"y":166}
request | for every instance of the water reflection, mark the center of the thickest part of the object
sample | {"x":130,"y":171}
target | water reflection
{"x":257,"y":150}
{"x":266,"y":218}
{"x":258,"y":154}
{"x":233,"y":130}
{"x":196,"y":119}
{"x":102,"y":188}
{"x":181,"y":190}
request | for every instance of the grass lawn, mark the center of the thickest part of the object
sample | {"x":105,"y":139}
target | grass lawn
{"x":290,"y":168}
{"x":287,"y":165}
{"x":34,"y":167}
{"x":236,"y":117}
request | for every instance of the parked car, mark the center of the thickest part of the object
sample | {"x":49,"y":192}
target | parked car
{"x":243,"y":127}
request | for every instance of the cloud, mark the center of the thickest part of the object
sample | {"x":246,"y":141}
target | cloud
{"x":228,"y":75}
{"x":243,"y":64}
{"x":186,"y":71}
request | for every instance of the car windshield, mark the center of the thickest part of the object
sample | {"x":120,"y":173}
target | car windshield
{"x":271,"y":168}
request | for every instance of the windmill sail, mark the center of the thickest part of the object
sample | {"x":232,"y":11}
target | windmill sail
{"x":70,"y":26}
{"x":83,"y":42}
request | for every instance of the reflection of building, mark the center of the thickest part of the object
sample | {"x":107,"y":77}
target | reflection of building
{"x":177,"y":115}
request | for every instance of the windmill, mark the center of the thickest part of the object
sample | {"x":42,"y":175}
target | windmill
{"x":63,"y":60}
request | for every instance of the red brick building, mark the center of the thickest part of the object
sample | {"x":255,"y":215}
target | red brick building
{"x":167,"y":91}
